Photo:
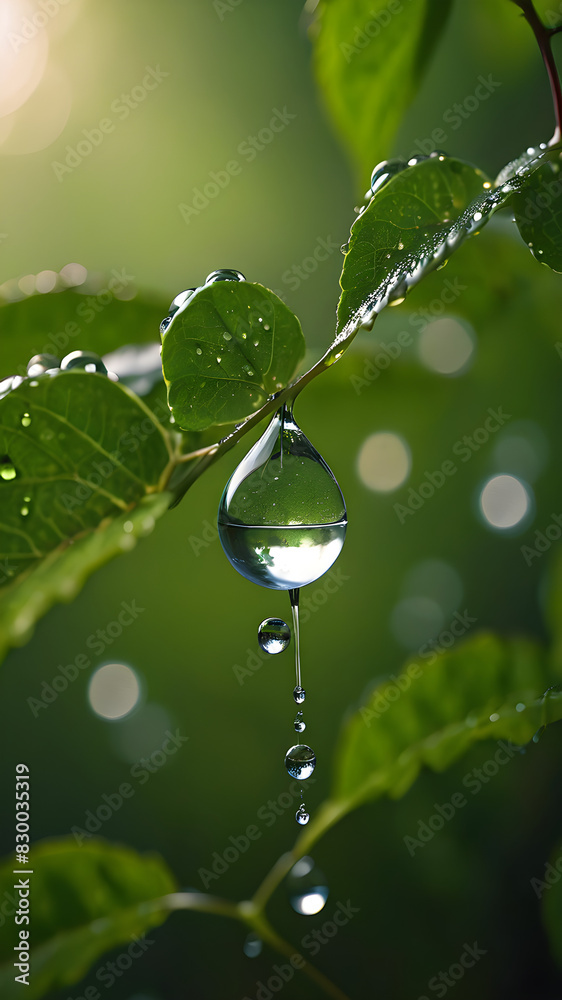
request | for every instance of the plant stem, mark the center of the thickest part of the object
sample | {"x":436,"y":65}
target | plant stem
{"x":544,"y":35}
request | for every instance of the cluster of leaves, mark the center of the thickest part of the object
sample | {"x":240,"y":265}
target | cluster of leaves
{"x":87,"y":465}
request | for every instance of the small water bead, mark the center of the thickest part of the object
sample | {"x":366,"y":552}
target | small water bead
{"x":274,"y":635}
{"x":41,"y":363}
{"x":165,"y":323}
{"x":6,"y":385}
{"x":299,"y":723}
{"x":7,"y":469}
{"x":199,"y":351}
{"x":344,"y":247}
{"x":25,"y":420}
{"x":300,"y":761}
{"x":253,"y":945}
{"x":85,"y":360}
{"x":299,"y":694}
{"x":307,"y":887}
{"x":301,"y":815}
{"x":224,"y":274}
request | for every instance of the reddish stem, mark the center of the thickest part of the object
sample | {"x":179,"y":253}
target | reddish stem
{"x":544,"y":36}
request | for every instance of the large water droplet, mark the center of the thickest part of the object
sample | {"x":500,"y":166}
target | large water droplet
{"x":307,"y":887}
{"x":41,"y":363}
{"x":274,"y":635}
{"x":7,"y":469}
{"x":300,"y":761}
{"x":224,"y":274}
{"x":85,"y":360}
{"x":253,"y":945}
{"x":384,"y":172}
{"x":282,"y":517}
{"x":6,"y":385}
{"x":299,"y":694}
{"x":25,"y":420}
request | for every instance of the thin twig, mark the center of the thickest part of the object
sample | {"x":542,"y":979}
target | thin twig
{"x":544,"y":35}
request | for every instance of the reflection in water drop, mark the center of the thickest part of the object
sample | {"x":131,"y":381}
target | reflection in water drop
{"x":85,"y":360}
{"x":224,"y":274}
{"x":299,"y":694}
{"x":41,"y":363}
{"x":300,"y":761}
{"x":282,"y":517}
{"x":301,"y":815}
{"x":274,"y":635}
{"x":253,"y":945}
{"x":299,"y":723}
{"x":307,"y":887}
{"x":7,"y":469}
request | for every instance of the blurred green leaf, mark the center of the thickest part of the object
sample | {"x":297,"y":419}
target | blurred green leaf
{"x":369,"y":59}
{"x":433,"y":712}
{"x":538,"y":213}
{"x":60,"y":322}
{"x":63,"y":573}
{"x":230,"y":347}
{"x":84,"y":901}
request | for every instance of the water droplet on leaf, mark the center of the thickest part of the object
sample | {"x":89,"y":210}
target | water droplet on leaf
{"x":41,"y":363}
{"x":282,"y":517}
{"x":25,"y":420}
{"x":85,"y":360}
{"x":7,"y":469}
{"x":274,"y":635}
{"x":300,"y":761}
{"x":384,"y":172}
{"x":224,"y":274}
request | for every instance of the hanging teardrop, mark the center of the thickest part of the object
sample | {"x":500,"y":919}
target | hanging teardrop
{"x":282,"y":517}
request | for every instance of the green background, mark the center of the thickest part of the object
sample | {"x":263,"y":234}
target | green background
{"x":119,"y":209}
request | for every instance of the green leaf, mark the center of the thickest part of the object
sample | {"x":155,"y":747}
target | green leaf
{"x":230,"y":347}
{"x":74,"y":448}
{"x":403,"y":233}
{"x":485,"y":688}
{"x":538,"y":212}
{"x":61,"y":575}
{"x":60,"y":322}
{"x":369,"y":57}
{"x":412,"y":225}
{"x":84,"y":901}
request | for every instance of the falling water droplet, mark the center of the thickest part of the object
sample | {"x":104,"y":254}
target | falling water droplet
{"x":253,"y":945}
{"x":85,"y":360}
{"x":300,"y":761}
{"x":299,"y":694}
{"x":307,"y":887}
{"x":41,"y":363}
{"x":301,"y":815}
{"x":7,"y":469}
{"x":299,"y":723}
{"x":224,"y":274}
{"x":25,"y":420}
{"x":282,"y":517}
{"x":274,"y":635}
